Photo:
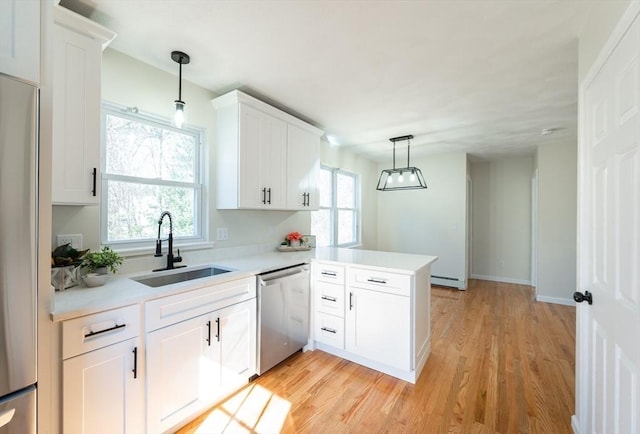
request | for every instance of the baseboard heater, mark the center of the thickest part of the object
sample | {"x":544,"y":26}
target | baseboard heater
{"x":447,"y":281}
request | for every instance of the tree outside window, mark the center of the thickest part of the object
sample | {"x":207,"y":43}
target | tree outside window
{"x":148,"y":166}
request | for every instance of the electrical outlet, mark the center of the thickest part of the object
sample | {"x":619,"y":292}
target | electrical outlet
{"x":222,"y":234}
{"x":74,"y":239}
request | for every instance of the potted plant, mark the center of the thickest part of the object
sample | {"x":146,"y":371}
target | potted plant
{"x":99,"y":264}
{"x":294,"y":239}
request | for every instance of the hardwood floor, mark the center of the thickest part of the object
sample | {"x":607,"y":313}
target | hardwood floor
{"x":500,"y":363}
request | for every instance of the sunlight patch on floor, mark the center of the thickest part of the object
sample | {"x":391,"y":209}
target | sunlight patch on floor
{"x":252,"y":410}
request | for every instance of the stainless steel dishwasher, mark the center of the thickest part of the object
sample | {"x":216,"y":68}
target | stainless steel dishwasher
{"x":283,"y":314}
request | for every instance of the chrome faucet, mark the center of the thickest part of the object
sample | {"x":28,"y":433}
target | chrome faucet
{"x":171,"y":260}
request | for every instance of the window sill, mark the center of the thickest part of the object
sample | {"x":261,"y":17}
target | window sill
{"x":144,"y":251}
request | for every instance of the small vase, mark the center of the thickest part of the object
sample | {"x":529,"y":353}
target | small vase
{"x":294,"y":243}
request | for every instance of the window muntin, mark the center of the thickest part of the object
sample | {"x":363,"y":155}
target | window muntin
{"x":336,"y":223}
{"x":149,"y":166}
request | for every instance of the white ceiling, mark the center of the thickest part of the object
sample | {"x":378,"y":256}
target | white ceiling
{"x":479,"y":76}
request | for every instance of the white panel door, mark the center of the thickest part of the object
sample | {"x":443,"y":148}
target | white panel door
{"x":180,"y":373}
{"x":608,"y":364}
{"x":104,"y":391}
{"x":20,"y":39}
{"x":303,"y":164}
{"x":378,"y":326}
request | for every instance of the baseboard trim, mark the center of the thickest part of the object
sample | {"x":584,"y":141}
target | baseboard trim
{"x":448,"y":282}
{"x":556,"y":300}
{"x":501,"y":279}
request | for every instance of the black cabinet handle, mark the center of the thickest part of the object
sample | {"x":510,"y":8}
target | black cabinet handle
{"x":110,"y":329}
{"x":269,"y":200}
{"x":218,"y":329}
{"x":350,"y":300}
{"x":135,"y":362}
{"x":326,"y":329}
{"x":209,"y":333}
{"x":326,"y":297}
{"x":95,"y":175}
{"x":328,"y":273}
{"x":372,"y":280}
{"x":264,"y":196}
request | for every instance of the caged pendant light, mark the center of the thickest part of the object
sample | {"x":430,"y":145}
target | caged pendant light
{"x":404,"y":178}
{"x":181,"y":59}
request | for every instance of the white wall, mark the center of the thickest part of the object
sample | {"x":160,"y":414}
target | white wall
{"x":431,"y":221}
{"x":557,"y":202}
{"x":603,"y":17}
{"x":501,"y":248}
{"x":131,"y":83}
{"x":334,"y":156}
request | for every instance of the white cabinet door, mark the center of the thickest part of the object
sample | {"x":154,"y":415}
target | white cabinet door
{"x":77,"y":66}
{"x":262,"y":156}
{"x":303,"y":163}
{"x":20,"y":39}
{"x":103,"y":391}
{"x":180,"y":373}
{"x":234,"y":346}
{"x":378,"y":326}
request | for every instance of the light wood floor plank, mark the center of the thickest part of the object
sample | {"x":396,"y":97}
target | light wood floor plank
{"x":501,"y":363}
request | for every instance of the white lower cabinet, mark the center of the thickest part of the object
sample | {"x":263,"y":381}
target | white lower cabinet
{"x":103,"y":373}
{"x":178,"y":359}
{"x":194,"y":363}
{"x":373,"y":317}
{"x":104,"y":391}
{"x":378,"y":327}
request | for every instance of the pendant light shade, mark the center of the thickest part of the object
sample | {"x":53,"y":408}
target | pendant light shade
{"x":403,"y":178}
{"x":181,"y":59}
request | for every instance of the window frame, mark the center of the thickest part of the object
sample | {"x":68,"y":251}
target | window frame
{"x":146,"y":245}
{"x":334,"y":210}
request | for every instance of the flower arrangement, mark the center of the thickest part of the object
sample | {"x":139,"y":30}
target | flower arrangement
{"x":293,"y":238}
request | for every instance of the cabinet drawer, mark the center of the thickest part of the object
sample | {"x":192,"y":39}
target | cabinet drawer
{"x":329,"y":273}
{"x":329,"y":298}
{"x":329,"y":330}
{"x":173,"y":309}
{"x":87,"y":333}
{"x":384,"y":281}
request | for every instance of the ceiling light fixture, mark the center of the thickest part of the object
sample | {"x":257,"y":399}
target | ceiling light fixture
{"x":415,"y":181}
{"x":181,"y":59}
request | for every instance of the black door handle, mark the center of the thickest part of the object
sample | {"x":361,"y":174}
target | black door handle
{"x":580,"y":297}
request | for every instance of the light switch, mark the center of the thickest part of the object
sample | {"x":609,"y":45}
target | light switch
{"x":222,"y":234}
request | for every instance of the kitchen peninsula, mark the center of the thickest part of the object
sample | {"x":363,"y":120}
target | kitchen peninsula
{"x":369,"y":307}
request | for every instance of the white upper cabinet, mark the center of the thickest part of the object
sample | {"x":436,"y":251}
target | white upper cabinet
{"x":266,"y":159}
{"x":20,"y":39}
{"x":303,"y":163}
{"x":77,"y":63}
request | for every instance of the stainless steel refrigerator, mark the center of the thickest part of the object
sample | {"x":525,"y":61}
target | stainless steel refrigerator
{"x":18,"y":219}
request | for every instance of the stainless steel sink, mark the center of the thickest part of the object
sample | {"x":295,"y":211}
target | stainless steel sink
{"x":183,"y":276}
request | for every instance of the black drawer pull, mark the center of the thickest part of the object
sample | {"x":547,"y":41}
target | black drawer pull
{"x":328,"y":273}
{"x":135,"y":362}
{"x":110,"y":329}
{"x":94,"y":173}
{"x":372,"y":280}
{"x":326,"y":329}
{"x":326,"y":297}
{"x":209,"y":333}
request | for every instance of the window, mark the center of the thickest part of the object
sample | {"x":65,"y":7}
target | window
{"x":148,"y":166}
{"x":336,"y":223}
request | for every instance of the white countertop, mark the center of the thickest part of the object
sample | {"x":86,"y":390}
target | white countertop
{"x":123,"y":291}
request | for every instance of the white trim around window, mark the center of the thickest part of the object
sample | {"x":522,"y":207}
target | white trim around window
{"x":184,"y":186}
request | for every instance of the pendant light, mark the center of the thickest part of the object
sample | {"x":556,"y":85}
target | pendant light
{"x":403,"y":178}
{"x":181,"y":59}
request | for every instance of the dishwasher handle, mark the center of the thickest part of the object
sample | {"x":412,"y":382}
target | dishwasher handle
{"x":280,"y":274}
